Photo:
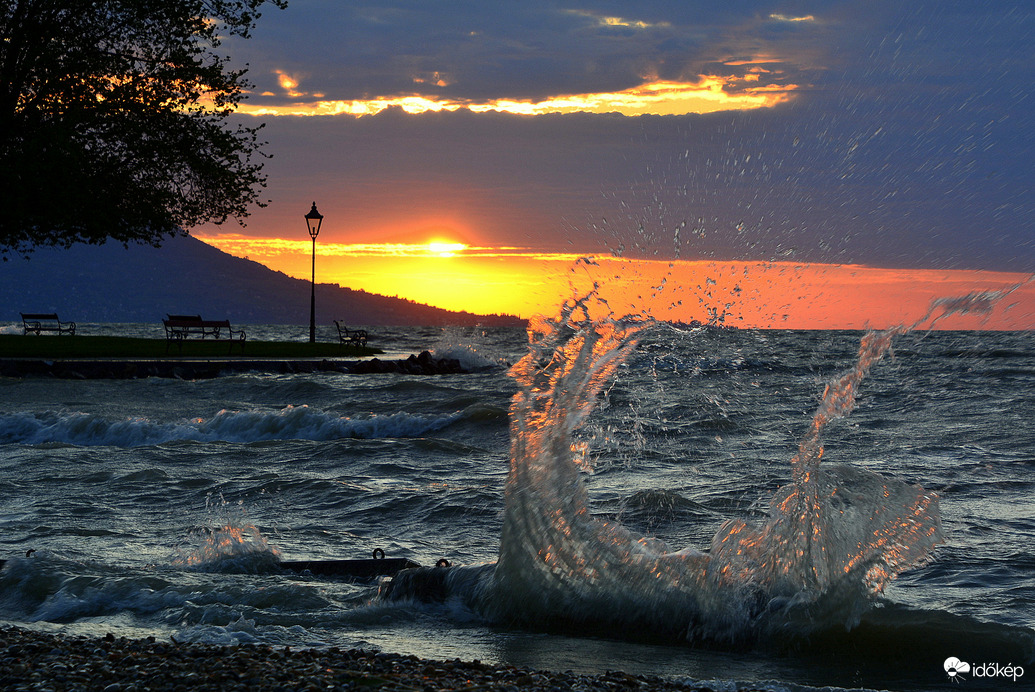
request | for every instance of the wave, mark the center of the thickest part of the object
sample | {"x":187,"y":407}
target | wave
{"x":469,"y":358}
{"x":209,"y":606}
{"x":290,"y":423}
{"x":834,"y":536}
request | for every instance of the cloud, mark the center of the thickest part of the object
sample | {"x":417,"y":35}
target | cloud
{"x":602,"y":20}
{"x":476,"y":52}
{"x":708,"y":94}
{"x":908,"y":143}
{"x":779,"y":17}
{"x":787,"y":183}
{"x":289,"y":84}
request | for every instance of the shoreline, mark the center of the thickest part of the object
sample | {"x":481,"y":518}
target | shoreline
{"x":206,"y":368}
{"x":39,"y":660}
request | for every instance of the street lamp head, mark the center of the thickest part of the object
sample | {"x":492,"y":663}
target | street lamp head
{"x":313,"y":219}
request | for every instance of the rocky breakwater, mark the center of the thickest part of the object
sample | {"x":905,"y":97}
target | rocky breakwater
{"x":423,"y":364}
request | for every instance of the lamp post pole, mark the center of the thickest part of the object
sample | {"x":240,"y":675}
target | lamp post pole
{"x":313,"y":220}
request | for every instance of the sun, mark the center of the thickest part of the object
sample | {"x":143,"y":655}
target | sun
{"x":444,"y":248}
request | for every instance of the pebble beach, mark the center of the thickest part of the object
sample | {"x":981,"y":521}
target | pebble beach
{"x":32,"y":660}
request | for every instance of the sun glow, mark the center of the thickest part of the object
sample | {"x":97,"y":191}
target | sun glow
{"x":746,"y":294}
{"x":445,"y":248}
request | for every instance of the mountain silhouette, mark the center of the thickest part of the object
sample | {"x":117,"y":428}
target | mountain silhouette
{"x":140,"y":283}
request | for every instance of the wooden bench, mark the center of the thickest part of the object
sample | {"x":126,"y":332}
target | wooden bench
{"x":179,"y":328}
{"x":37,"y":323}
{"x":355,"y":337}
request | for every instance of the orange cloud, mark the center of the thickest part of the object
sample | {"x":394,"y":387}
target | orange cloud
{"x":790,"y":18}
{"x":289,"y":83}
{"x":611,"y":21}
{"x":657,"y":97}
{"x":436,"y":78}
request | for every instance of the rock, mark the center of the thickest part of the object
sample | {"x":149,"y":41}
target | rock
{"x":422,"y":364}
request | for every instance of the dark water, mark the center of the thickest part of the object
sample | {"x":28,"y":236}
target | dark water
{"x":160,"y":507}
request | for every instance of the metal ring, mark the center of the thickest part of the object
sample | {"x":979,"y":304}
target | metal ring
{"x":379,"y":554}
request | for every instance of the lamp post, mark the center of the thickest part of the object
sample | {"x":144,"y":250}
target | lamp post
{"x":313,"y":220}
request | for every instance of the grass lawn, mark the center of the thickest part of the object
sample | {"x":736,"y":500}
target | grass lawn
{"x":52,"y":347}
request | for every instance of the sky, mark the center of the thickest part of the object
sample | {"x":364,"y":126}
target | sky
{"x":778,"y":164}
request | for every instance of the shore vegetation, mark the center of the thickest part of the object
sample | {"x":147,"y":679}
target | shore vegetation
{"x":115,"y":120}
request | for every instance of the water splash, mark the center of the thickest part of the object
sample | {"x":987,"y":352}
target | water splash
{"x":234,"y":545}
{"x":228,"y":548}
{"x":556,"y":561}
{"x":834,"y":528}
{"x":834,"y":536}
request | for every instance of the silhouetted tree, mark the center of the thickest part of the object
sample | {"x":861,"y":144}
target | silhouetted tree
{"x":113,"y":120}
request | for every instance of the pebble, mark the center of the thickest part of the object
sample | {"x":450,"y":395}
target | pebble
{"x":32,"y":660}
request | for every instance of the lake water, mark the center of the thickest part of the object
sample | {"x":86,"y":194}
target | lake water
{"x":682,"y":502}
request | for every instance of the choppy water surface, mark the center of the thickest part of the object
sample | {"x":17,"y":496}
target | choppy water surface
{"x":673,"y":505}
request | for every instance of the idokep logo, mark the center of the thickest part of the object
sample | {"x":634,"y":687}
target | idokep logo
{"x":958,"y":670}
{"x":955,"y":668}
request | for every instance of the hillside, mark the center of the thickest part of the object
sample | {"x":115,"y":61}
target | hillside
{"x":110,"y":283}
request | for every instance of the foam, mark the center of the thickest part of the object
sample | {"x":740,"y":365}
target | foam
{"x":290,"y":423}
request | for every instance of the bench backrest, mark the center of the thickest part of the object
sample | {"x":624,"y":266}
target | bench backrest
{"x":39,"y":316}
{"x":188,"y":323}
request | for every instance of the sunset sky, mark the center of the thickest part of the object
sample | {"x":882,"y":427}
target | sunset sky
{"x":784,"y":164}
